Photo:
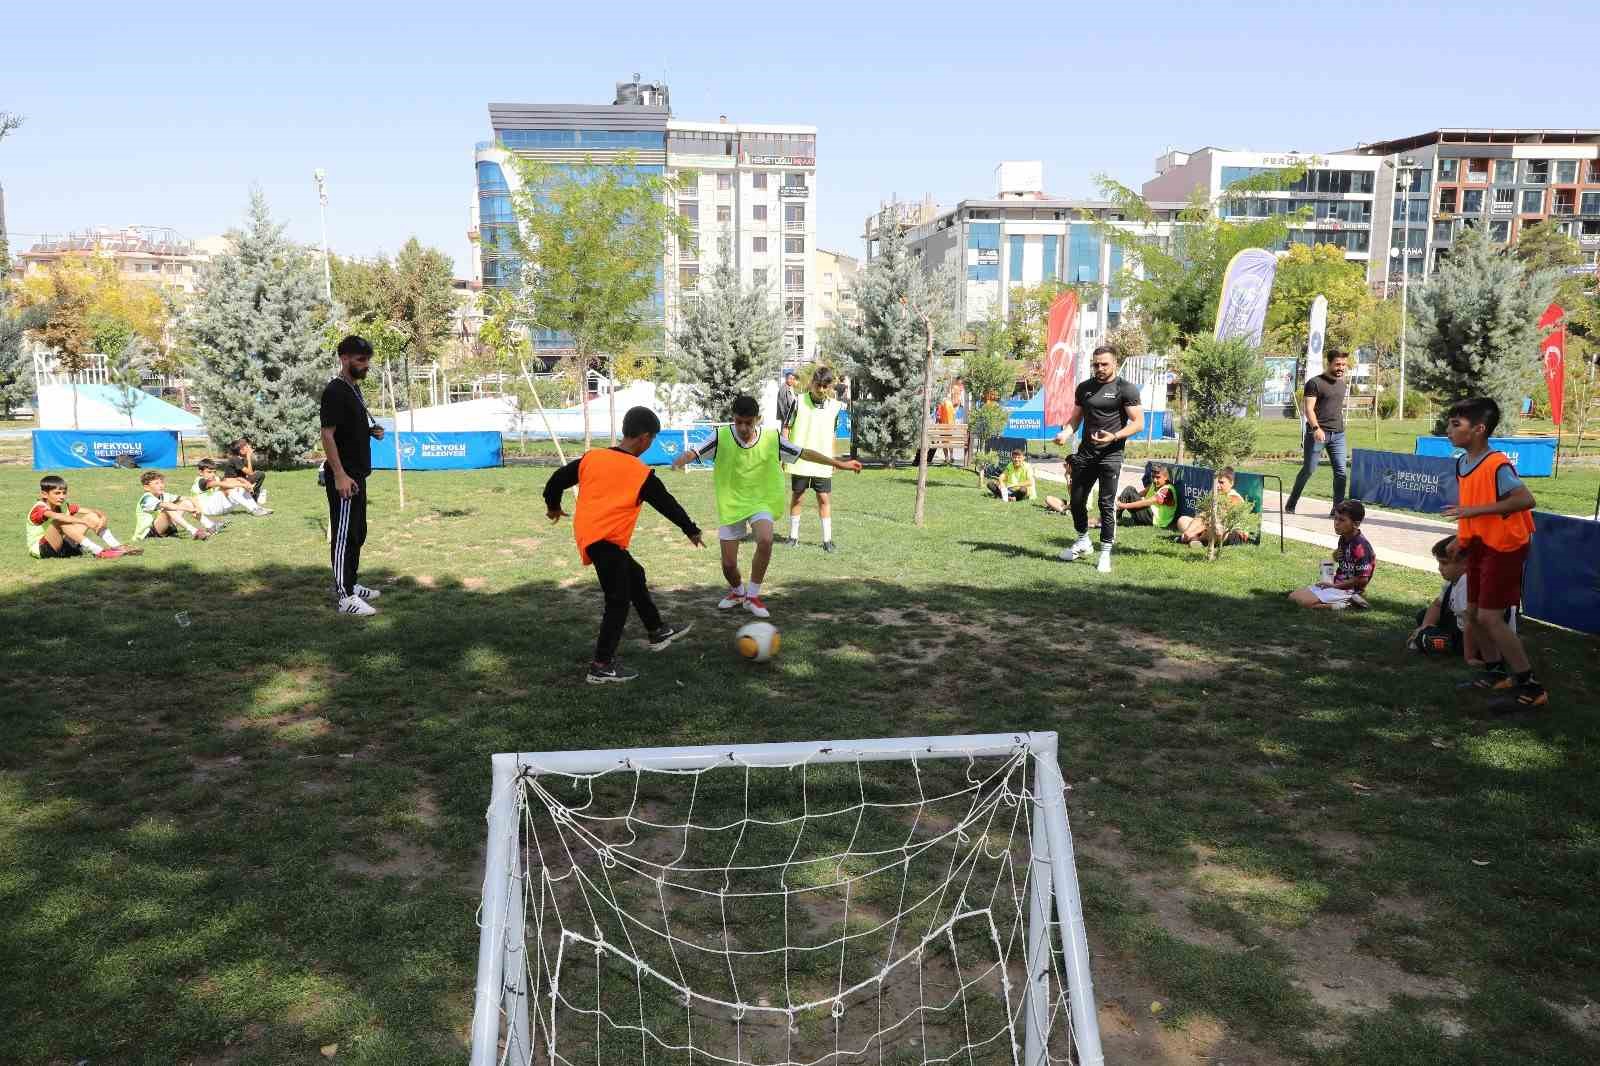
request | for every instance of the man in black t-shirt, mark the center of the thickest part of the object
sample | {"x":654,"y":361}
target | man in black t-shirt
{"x":347,"y":434}
{"x":1108,"y":409}
{"x":1324,"y":412}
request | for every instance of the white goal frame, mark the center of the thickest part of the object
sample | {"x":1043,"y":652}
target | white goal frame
{"x":502,"y":992}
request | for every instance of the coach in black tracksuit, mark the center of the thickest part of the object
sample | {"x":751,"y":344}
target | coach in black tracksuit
{"x":1108,"y":409}
{"x":347,"y":435}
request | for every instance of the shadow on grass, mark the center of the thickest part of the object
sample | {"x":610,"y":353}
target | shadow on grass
{"x":265,"y":829}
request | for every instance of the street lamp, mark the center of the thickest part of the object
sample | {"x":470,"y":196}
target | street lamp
{"x":320,"y":176}
{"x":1403,"y":172}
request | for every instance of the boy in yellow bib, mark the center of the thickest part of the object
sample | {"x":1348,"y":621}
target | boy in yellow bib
{"x":747,"y":468}
{"x":812,"y":424}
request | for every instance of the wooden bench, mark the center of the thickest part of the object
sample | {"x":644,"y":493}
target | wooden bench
{"x":1362,"y":404}
{"x":949,"y":436}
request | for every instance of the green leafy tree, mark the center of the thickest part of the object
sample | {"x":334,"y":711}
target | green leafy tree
{"x":730,"y":340}
{"x":987,"y":377}
{"x":1305,"y":272}
{"x":10,"y":121}
{"x":65,"y":330}
{"x":257,"y":334}
{"x":1474,"y":330}
{"x":403,"y":306}
{"x":1220,"y":378}
{"x":592,"y":240}
{"x":16,"y":364}
{"x":883,"y":349}
{"x":1129,"y":338}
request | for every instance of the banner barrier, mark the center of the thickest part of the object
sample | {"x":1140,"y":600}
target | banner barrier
{"x":1561,"y":583}
{"x":1425,"y":483}
{"x":1194,"y":482}
{"x":438,"y":451}
{"x":1532,"y":456}
{"x":55,"y":449}
{"x":1026,"y":418}
{"x":671,"y":443}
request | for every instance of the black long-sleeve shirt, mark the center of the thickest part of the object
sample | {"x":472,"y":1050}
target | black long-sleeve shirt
{"x":654,"y":492}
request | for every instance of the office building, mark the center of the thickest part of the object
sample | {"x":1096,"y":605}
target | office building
{"x":1023,"y":236}
{"x":145,"y":254}
{"x":1434,"y":185}
{"x":748,"y":192}
{"x":1339,"y":193}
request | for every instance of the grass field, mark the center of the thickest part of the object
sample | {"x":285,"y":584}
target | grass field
{"x":243,"y":839}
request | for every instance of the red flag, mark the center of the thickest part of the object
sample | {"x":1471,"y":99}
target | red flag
{"x":1555,"y":360}
{"x":1061,"y":360}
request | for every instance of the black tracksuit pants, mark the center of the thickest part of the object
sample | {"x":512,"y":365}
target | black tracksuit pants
{"x":1090,"y":471}
{"x":622,"y":581}
{"x":347,"y":518}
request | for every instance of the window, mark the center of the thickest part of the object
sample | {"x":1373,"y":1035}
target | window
{"x":1443,"y":232}
{"x":795,"y":179}
{"x":1533,"y":201}
{"x":1505,"y":171}
{"x":1590,"y":204}
{"x":758,"y":180}
{"x":724,"y":213}
{"x":794,"y":214}
{"x":1566,"y":201}
{"x":1504,"y":201}
{"x":758,"y":244}
{"x":759,"y":212}
{"x":1447,"y":201}
{"x":691,"y":212}
{"x":1536,"y":172}
{"x":1448,"y":169}
{"x":1566,"y":171}
{"x":1500,"y":231}
{"x":688,"y":277}
{"x":794,"y":246}
{"x":794,"y":310}
{"x":759,"y":277}
{"x":1478,"y":170}
{"x":794,"y":277}
{"x":1419,"y":238}
{"x":1472,"y":201}
{"x":724,"y":181}
{"x":1589,"y":231}
{"x":1592,"y":172}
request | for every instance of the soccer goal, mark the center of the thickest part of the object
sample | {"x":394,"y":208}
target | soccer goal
{"x":899,"y":902}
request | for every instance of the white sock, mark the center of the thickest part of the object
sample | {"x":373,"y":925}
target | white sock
{"x":752,"y":589}
{"x":1083,"y":543}
{"x":183,"y":523}
{"x":827,"y":529}
{"x":794,"y":527}
{"x":110,"y":538}
{"x":1105,"y":547}
{"x":88,"y":545}
{"x":207,"y":523}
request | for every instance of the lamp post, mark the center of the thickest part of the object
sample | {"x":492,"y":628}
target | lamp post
{"x":1403,"y":172}
{"x":320,"y":176}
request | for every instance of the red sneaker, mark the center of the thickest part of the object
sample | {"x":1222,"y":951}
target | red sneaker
{"x":112,"y":553}
{"x":754,"y":605}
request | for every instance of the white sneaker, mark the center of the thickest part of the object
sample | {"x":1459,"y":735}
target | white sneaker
{"x":733,"y":599}
{"x":357,"y":606}
{"x":261,"y":512}
{"x":754,"y":605}
{"x":1078,"y":550}
{"x":1104,"y":565}
{"x":365,"y":593}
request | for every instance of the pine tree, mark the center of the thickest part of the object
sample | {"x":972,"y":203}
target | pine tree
{"x":256,"y":333}
{"x":1475,"y":327}
{"x":1220,"y":379}
{"x":883,"y":348}
{"x":16,"y":364}
{"x":729,"y":342}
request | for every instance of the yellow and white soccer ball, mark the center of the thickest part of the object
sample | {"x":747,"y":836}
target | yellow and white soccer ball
{"x":757,"y":641}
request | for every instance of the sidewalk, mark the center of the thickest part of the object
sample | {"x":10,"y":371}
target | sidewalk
{"x":1399,"y":537}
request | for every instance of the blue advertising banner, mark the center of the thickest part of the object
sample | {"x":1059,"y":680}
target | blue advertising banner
{"x":1532,"y":456}
{"x":1025,"y":418}
{"x":1561,"y":583}
{"x":1195,"y":481}
{"x":1425,"y":483}
{"x":54,"y":449}
{"x":671,"y":443}
{"x":438,"y":451}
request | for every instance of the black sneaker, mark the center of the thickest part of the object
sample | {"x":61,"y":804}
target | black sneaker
{"x":667,"y":634}
{"x":829,"y":546}
{"x":1493,"y":677}
{"x":790,"y":542}
{"x":1527,"y":696}
{"x":607,"y":673}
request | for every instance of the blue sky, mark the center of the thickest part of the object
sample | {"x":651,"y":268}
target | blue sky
{"x":164,"y":114}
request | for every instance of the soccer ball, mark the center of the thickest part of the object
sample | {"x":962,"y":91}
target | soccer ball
{"x":757,"y":641}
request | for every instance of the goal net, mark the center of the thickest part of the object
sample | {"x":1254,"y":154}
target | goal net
{"x":901,"y":902}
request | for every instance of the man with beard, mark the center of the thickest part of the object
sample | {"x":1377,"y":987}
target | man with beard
{"x":1108,"y":409}
{"x":347,"y":435}
{"x":1324,"y":413}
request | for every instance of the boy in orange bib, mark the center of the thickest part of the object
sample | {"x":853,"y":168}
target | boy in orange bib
{"x":1494,"y":523}
{"x":613,"y":486}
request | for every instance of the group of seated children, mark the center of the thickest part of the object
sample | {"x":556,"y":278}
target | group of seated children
{"x":1196,"y":528}
{"x":57,"y":529}
{"x":1346,"y":576}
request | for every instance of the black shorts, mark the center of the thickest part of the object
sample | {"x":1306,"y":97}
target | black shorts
{"x":797,"y":483}
{"x":172,"y":531}
{"x":68,"y":550}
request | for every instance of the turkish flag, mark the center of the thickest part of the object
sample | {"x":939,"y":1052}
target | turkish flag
{"x":1061,"y":360}
{"x":1554,"y":354}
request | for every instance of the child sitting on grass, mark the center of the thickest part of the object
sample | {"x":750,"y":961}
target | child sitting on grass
{"x":160,"y":513}
{"x":1156,"y":506}
{"x":219,"y":495}
{"x":1195,"y":529}
{"x":1354,"y":562}
{"x":57,"y":529}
